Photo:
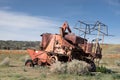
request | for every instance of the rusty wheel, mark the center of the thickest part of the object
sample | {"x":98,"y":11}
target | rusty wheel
{"x":29,"y":63}
{"x":53,"y":59}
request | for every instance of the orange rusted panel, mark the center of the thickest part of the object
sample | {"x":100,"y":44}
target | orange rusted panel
{"x":42,"y":55}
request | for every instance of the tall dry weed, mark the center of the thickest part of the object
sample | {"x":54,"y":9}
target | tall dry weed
{"x":58,"y":67}
{"x":73,"y":67}
{"x":77,"y":67}
{"x":5,"y":62}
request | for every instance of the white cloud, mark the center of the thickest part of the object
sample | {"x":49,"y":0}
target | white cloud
{"x":20,"y":20}
{"x":20,"y":26}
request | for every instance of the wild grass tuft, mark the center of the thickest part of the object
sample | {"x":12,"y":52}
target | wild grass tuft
{"x":117,"y":62}
{"x":5,"y":62}
{"x":77,"y":67}
{"x":58,"y":67}
{"x":73,"y":67}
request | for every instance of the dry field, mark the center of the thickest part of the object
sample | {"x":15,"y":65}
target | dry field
{"x":13,"y":51}
{"x":12,"y":67}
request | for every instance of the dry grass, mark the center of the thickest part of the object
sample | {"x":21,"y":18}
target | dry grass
{"x":17,"y":71}
{"x":24,"y":58}
{"x":5,"y":62}
{"x":111,"y":49}
{"x":58,"y":67}
{"x":111,"y":55}
{"x":77,"y":67}
{"x":13,"y":51}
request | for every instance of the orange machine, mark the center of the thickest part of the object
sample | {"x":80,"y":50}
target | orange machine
{"x":65,"y":46}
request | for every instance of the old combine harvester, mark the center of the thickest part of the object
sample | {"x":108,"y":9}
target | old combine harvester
{"x":66,"y":46}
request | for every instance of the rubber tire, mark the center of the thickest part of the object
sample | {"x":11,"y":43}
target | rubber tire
{"x":54,"y":59}
{"x":30,"y":62}
{"x":92,"y":64}
{"x":93,"y":67}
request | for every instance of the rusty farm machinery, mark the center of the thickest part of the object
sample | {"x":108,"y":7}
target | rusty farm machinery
{"x":67,"y":46}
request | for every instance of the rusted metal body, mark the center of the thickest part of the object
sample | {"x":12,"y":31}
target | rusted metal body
{"x":65,"y":46}
{"x":40,"y":56}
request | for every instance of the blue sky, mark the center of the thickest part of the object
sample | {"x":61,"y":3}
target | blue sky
{"x":27,"y":19}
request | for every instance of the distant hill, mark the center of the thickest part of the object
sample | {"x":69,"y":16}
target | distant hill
{"x":18,"y":45}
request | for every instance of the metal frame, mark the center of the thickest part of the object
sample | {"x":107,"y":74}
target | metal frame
{"x":89,"y":29}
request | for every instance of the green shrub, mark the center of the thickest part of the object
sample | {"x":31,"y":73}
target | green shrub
{"x":103,"y":69}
